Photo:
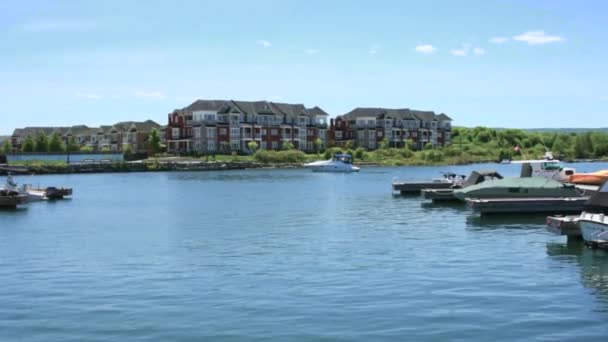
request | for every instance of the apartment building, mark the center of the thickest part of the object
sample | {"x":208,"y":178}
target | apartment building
{"x":225,"y":126}
{"x":368,"y":127}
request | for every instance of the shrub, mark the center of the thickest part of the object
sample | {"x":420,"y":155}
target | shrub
{"x":278,"y":157}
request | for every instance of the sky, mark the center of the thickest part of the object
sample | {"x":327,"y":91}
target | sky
{"x":496,"y":63}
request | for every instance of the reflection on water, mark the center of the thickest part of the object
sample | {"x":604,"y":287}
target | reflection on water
{"x":524,"y":221}
{"x":592,"y":262}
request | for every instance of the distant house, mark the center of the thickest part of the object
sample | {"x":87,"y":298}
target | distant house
{"x":224,"y":126}
{"x":119,"y":137}
{"x":367,"y":127}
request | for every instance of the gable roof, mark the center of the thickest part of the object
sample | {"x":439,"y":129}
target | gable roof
{"x":215,"y":105}
{"x":401,"y":113}
{"x":317,"y":111}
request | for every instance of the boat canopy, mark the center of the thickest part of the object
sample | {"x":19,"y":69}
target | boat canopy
{"x":477,"y":177}
{"x":344,"y":157}
{"x":530,"y":182}
{"x":598,"y":202}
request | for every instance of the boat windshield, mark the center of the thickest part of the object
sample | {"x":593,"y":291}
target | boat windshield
{"x":551,"y":166}
{"x":345,"y":158}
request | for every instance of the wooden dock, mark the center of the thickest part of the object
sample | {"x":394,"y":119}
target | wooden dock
{"x":563,"y":205}
{"x":564,"y":226}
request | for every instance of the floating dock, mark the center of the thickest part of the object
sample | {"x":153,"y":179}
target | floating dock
{"x":560,"y":205}
{"x":412,"y":188}
{"x":564,"y":226}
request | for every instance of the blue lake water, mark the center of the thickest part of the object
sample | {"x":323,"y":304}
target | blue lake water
{"x":287,"y":255}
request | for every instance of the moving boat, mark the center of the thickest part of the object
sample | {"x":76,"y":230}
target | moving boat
{"x":593,"y":222}
{"x":593,"y":178}
{"x":10,"y":196}
{"x":476,"y":177}
{"x":448,"y":181}
{"x":511,"y":188}
{"x":339,"y":163}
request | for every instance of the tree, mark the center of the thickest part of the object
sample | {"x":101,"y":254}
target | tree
{"x":319,"y":144}
{"x":288,"y":146}
{"x":28,"y":144}
{"x":154,"y":141}
{"x":7,"y":147}
{"x":42,"y":143}
{"x":385,"y":143}
{"x":128,"y":149}
{"x":55,"y":144}
{"x":428,"y":146}
{"x":252,"y":146}
{"x":583,"y":146}
{"x":72,"y":144}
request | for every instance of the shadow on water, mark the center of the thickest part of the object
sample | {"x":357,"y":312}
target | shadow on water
{"x":517,"y":221}
{"x":593,"y":264}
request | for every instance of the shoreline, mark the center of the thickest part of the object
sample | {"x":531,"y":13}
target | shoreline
{"x":193,"y":166}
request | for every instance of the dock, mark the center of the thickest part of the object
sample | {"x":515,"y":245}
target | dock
{"x":413,"y":188}
{"x":562,"y":205}
{"x":564,"y":226}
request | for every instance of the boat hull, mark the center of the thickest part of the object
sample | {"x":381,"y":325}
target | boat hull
{"x":334,"y":168}
{"x":595,"y":230}
{"x":12,"y":201}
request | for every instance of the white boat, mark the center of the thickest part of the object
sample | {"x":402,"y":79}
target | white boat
{"x":10,"y":196}
{"x":339,"y":163}
{"x":548,"y":167}
{"x":593,"y":222}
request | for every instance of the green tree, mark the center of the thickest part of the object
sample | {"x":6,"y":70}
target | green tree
{"x":428,"y":146}
{"x":55,"y":144}
{"x":128,"y":149}
{"x":42,"y":143}
{"x":385,"y":143}
{"x":288,"y":146}
{"x":72,"y":144}
{"x":583,"y":146}
{"x":252,"y":146}
{"x":28,"y":144}
{"x":7,"y":147}
{"x":154,"y":141}
{"x":86,"y":149}
{"x":319,"y":145}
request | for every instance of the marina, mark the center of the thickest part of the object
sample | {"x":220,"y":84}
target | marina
{"x":341,"y":231}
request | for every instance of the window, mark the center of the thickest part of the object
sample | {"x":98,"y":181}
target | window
{"x":235,"y":131}
{"x":379,"y":134}
{"x":361,"y":135}
{"x":211,"y":146}
{"x":175,"y":133}
{"x":310,"y":133}
{"x":264,"y":131}
{"x":338,"y":134}
{"x":275,"y":145}
{"x":274,"y":131}
{"x":223,"y":131}
{"x":197,"y":132}
{"x":264,"y":145}
{"x":210,"y":132}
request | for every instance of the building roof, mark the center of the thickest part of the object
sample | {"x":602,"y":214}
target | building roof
{"x":317,"y":111}
{"x":214,"y":105}
{"x":401,"y":113}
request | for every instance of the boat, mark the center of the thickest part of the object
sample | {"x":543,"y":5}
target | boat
{"x":48,"y":193}
{"x":593,"y":178}
{"x":338,"y":163}
{"x":476,"y":177}
{"x":448,"y":181}
{"x":512,"y":188}
{"x":10,"y":196}
{"x":547,"y":167}
{"x":593,"y":221}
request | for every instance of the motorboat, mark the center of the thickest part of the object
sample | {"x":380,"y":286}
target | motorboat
{"x":47,"y":193}
{"x":517,"y":188}
{"x":593,"y":221}
{"x":547,"y":167}
{"x":476,"y":177}
{"x":593,"y":178}
{"x":10,"y":196}
{"x":338,"y":163}
{"x":448,"y":181}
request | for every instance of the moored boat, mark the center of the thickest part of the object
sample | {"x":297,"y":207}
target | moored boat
{"x":593,"y":221}
{"x":593,"y":178}
{"x":511,"y":188}
{"x":476,"y":177}
{"x":548,"y":167}
{"x":10,"y":196}
{"x":339,"y":163}
{"x":448,"y":181}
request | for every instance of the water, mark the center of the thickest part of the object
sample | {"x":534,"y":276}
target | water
{"x":287,"y":255}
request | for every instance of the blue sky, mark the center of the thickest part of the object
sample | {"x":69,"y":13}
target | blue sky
{"x":492,"y":62}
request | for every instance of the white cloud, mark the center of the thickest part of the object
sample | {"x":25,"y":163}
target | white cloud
{"x":46,"y":25}
{"x":311,"y":51}
{"x":499,"y":40}
{"x":459,"y":52}
{"x":537,"y":37}
{"x":264,"y":43}
{"x":426,"y":49}
{"x":373,"y":50}
{"x":150,"y":94}
{"x":479,"y":51}
{"x":90,"y":96}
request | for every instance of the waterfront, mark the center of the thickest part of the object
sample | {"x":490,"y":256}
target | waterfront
{"x":287,"y":255}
